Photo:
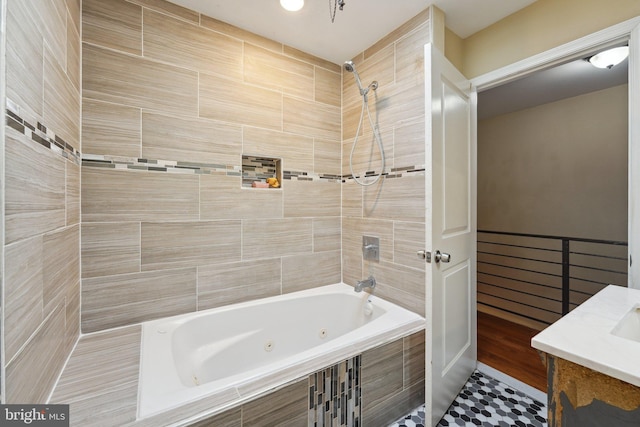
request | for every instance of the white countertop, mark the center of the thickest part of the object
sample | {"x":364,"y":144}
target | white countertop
{"x":584,"y":335}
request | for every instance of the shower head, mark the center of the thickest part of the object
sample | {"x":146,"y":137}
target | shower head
{"x":351,"y":67}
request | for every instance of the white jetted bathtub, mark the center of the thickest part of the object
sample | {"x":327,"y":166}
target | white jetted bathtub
{"x":189,"y":357}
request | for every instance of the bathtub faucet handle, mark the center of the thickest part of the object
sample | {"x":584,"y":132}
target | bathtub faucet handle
{"x":370,"y":282}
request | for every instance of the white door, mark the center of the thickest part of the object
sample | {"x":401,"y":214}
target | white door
{"x":451,"y":232}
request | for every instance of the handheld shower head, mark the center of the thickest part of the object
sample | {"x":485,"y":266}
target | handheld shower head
{"x":351,"y":67}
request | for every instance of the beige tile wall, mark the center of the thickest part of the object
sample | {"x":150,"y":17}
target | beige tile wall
{"x":394,"y":208}
{"x":161,"y":82}
{"x":41,"y":245}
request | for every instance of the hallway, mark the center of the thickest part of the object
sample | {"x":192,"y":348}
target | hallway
{"x":506,"y":346}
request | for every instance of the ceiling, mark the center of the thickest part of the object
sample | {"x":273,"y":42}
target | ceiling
{"x":563,"y":81}
{"x":364,"y":22}
{"x":358,"y":26}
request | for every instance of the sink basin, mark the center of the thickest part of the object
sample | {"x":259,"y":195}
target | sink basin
{"x":629,"y":326}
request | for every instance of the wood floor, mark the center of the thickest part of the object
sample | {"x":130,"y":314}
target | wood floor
{"x":506,"y":346}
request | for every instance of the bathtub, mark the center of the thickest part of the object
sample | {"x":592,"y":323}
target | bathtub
{"x":244,"y":350}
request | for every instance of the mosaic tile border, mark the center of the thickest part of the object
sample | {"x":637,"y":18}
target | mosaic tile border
{"x":40,"y":134}
{"x":171,"y":166}
{"x":46,"y":137}
{"x":334,"y":395}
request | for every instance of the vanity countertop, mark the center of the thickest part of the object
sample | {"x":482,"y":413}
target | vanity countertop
{"x":584,"y":335}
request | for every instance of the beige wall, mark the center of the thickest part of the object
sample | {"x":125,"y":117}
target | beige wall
{"x":541,"y":26}
{"x":392,"y":209}
{"x":167,"y":85}
{"x":41,"y":200}
{"x":541,"y":169}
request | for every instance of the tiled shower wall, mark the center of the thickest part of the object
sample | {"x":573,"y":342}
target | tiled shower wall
{"x":41,"y":195}
{"x":171,"y":101}
{"x":394,"y":208}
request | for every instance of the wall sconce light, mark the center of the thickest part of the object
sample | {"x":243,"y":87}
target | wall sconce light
{"x":609,"y":58}
{"x":292,"y":5}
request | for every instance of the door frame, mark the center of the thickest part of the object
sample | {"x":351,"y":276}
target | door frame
{"x":625,"y":31}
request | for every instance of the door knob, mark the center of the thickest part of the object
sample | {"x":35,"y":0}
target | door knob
{"x":442,"y":256}
{"x":425,"y":255}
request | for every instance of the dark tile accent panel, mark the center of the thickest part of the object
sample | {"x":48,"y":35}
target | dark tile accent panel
{"x":335,"y":395}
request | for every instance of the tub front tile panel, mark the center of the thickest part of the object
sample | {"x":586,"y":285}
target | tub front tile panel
{"x":386,"y":394}
{"x":395,"y":406}
{"x":414,"y":357}
{"x":112,"y":301}
{"x":231,"y":418}
{"x":335,"y":395}
{"x":287,"y":406}
{"x":382,"y":373}
{"x":116,"y":24}
{"x":187,"y":45}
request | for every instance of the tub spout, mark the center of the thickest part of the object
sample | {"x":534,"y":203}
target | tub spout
{"x":370,"y":282}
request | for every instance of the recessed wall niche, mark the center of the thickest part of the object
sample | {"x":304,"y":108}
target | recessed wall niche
{"x":259,"y":171}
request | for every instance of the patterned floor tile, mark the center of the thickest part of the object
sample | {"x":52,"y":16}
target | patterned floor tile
{"x":485,"y":402}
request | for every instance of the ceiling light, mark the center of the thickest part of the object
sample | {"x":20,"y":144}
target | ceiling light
{"x":610,"y":58}
{"x":292,"y":5}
